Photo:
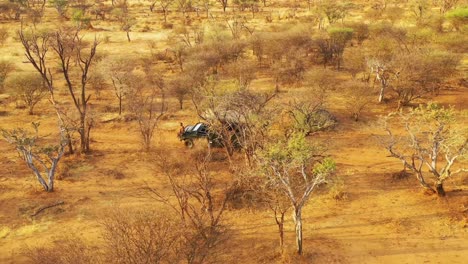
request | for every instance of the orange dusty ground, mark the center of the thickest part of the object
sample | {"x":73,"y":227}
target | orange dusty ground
{"x":383,"y":220}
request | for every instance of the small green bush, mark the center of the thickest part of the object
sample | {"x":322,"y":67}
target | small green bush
{"x":458,"y":17}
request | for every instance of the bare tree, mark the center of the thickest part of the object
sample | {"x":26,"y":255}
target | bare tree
{"x":133,"y":237}
{"x":334,"y":10}
{"x":320,"y":83}
{"x":184,"y":6}
{"x":6,"y":68}
{"x":3,"y":36}
{"x":71,"y":51}
{"x":295,"y":167}
{"x":289,"y":71}
{"x":125,"y":18}
{"x":419,"y":73}
{"x":253,"y":191}
{"x":358,"y":97}
{"x":242,"y":119}
{"x":61,"y":6}
{"x":411,"y":72}
{"x":446,"y":5}
{"x":120,"y":71}
{"x":430,"y":139}
{"x":205,"y":5}
{"x":67,"y":249}
{"x":382,"y":74}
{"x":148,"y":105}
{"x":34,"y":9}
{"x":243,"y":71}
{"x":279,"y":204}
{"x":200,"y":211}
{"x":29,"y":88}
{"x":36,"y":47}
{"x":309,"y":116}
{"x":355,"y":63}
{"x":224,"y":4}
{"x":165,"y":5}
{"x":180,"y":88}
{"x":339,"y":37}
{"x":42,"y":160}
{"x":97,"y":81}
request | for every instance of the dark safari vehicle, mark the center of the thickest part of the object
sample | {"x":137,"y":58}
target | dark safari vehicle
{"x":197,"y":131}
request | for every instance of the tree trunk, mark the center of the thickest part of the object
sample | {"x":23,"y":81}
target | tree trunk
{"x":128,"y":36}
{"x":381,"y":94}
{"x":88,"y":132}
{"x":120,"y":106}
{"x":42,"y":182}
{"x":82,"y":133}
{"x":28,"y":157}
{"x":298,"y":226}
{"x":181,"y":104}
{"x":70,"y":144}
{"x":440,"y":189}
{"x":51,"y":180}
{"x":423,"y":183}
{"x":356,"y":117}
{"x":280,"y":223}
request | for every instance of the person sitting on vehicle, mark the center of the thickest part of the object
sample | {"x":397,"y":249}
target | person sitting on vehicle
{"x":181,"y":130}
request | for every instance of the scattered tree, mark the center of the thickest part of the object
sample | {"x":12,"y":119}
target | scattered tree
{"x":224,"y":4}
{"x":120,"y":71}
{"x":148,"y":104}
{"x":165,"y":5}
{"x":65,"y":250}
{"x":6,"y":68}
{"x":243,"y":71}
{"x":42,"y":160}
{"x":339,"y":37}
{"x":126,"y":233}
{"x":180,"y":88}
{"x":70,"y":49}
{"x":3,"y":35}
{"x":28,"y":88}
{"x":61,"y":6}
{"x":355,"y":63}
{"x":309,"y":116}
{"x":295,"y":167}
{"x":430,"y":139}
{"x":199,"y":209}
{"x":458,"y":17}
{"x":357,"y":97}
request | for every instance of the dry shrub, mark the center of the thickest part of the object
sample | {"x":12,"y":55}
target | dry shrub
{"x":140,"y":237}
{"x":67,"y":250}
{"x":115,"y":173}
{"x":358,"y":96}
{"x":401,"y":175}
{"x":167,"y":25}
{"x":146,"y":28}
{"x":3,"y":35}
{"x":245,"y":193}
{"x":338,"y":190}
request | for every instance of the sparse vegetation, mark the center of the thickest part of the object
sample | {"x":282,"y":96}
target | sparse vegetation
{"x":285,"y":95}
{"x":29,"y":89}
{"x":431,"y":135}
{"x":41,"y":159}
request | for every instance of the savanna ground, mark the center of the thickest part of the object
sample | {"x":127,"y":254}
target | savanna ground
{"x":383,"y":219}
